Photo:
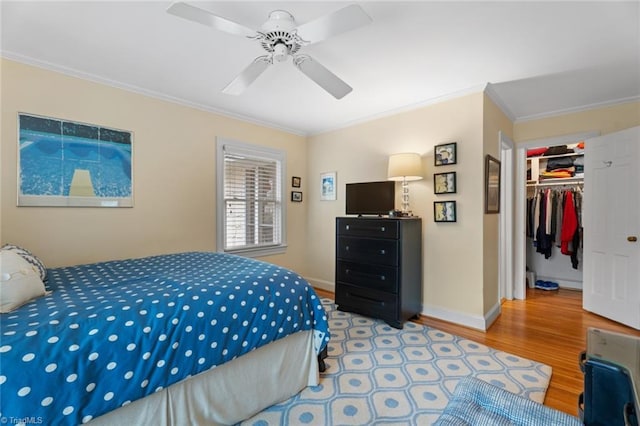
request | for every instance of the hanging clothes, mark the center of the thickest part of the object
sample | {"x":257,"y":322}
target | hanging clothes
{"x":554,"y":218}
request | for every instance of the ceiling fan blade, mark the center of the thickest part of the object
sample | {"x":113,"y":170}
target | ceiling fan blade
{"x":204,"y":17}
{"x":322,"y":76}
{"x":248,"y":76}
{"x":338,"y":22}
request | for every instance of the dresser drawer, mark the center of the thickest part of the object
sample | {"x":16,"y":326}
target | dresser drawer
{"x":368,"y":250}
{"x":367,"y":302}
{"x":372,"y":228}
{"x":375,"y":277}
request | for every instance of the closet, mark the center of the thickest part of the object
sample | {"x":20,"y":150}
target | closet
{"x":555,"y":176}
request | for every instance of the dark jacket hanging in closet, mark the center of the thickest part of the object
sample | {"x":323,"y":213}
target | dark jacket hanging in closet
{"x":569,"y":225}
{"x":543,"y":236}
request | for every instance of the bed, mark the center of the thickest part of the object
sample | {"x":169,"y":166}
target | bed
{"x":188,"y":338}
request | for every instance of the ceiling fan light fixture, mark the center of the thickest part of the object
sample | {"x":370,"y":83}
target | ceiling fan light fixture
{"x":280,"y":52}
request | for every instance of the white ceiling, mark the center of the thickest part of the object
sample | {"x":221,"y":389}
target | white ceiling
{"x":540,"y":58}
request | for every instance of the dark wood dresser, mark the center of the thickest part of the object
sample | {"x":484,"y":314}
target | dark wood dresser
{"x":379,"y":267}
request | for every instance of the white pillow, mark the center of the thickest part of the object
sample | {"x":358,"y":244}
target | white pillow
{"x":19,"y":281}
{"x":29,"y":257}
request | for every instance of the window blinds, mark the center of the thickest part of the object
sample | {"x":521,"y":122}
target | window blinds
{"x":252,"y":199}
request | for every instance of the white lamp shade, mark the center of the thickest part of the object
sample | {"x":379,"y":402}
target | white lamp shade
{"x":405,"y":166}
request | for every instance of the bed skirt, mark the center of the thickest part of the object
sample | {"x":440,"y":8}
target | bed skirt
{"x":231,"y":392}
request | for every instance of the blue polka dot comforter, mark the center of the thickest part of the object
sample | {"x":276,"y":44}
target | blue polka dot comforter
{"x":113,"y":332}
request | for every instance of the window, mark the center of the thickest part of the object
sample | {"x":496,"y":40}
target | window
{"x":251,"y":215}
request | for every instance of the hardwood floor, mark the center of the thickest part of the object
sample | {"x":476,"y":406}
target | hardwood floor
{"x":549,"y":327}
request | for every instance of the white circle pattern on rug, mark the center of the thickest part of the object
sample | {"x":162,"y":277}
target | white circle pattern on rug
{"x":379,"y":375}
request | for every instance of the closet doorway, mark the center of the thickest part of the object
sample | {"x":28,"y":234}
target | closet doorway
{"x":557,"y":268}
{"x":611,"y":252}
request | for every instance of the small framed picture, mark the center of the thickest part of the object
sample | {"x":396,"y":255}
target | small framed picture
{"x":445,"y":154}
{"x":296,"y":196}
{"x":296,"y":181}
{"x":328,"y":186}
{"x":444,"y":183}
{"x":491,"y":185}
{"x":444,"y":211}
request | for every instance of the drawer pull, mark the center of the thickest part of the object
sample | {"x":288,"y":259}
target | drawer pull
{"x":383,"y":251}
{"x":346,"y":227}
{"x":382,"y":228}
{"x":346,"y":248}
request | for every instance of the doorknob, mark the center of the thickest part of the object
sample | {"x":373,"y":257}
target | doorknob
{"x":632,"y":238}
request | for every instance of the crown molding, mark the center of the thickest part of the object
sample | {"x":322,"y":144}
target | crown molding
{"x":139,"y":90}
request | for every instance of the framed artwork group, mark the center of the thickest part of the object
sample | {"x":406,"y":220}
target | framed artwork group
{"x":296,"y":196}
{"x":445,"y":182}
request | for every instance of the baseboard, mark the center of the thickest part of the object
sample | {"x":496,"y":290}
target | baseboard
{"x":562,"y":283}
{"x":460,"y":318}
{"x":492,"y":315}
{"x":322,"y":284}
{"x":456,"y":317}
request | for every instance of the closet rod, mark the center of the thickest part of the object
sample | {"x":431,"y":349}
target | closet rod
{"x":556,"y":184}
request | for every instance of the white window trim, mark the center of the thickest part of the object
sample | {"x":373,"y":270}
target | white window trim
{"x":220,"y":210}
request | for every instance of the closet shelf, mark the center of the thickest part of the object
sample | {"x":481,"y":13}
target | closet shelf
{"x":537,"y":164}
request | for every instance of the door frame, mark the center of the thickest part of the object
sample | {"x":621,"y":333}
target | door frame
{"x":505,"y":249}
{"x":520,"y":234}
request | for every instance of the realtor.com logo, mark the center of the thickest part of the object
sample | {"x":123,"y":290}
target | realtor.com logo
{"x":33,"y":420}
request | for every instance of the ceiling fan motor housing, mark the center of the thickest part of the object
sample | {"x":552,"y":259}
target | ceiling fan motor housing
{"x":278,"y":35}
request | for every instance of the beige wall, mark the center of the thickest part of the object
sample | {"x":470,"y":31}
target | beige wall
{"x":604,"y":120}
{"x":174,"y":173}
{"x":494,"y":121}
{"x":453,"y":259}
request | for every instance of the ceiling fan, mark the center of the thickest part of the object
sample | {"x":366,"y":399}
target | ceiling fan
{"x":281,"y":37}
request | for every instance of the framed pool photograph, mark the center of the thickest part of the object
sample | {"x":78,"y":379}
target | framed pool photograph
{"x":444,"y":183}
{"x":65,"y":163}
{"x":444,"y":211}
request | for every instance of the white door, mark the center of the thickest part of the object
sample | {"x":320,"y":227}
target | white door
{"x":611,"y":220}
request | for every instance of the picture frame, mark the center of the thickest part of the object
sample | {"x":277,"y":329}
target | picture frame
{"x":66,"y":163}
{"x":444,"y":211}
{"x":445,"y":154}
{"x":296,"y":196}
{"x":444,"y":183}
{"x":296,"y":182}
{"x":328,"y":186}
{"x":491,"y":185}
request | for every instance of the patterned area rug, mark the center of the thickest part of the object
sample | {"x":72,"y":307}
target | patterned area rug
{"x":380,"y":375}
